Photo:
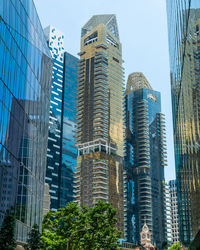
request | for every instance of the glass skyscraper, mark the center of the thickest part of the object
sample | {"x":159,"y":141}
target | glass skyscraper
{"x":69,"y":118}
{"x":25,"y":82}
{"x":100,"y":128}
{"x":145,"y":159}
{"x":184,"y":50}
{"x":174,"y":211}
{"x":55,"y":40}
{"x":61,"y":151}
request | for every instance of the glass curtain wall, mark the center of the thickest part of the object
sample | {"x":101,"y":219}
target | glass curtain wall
{"x":145,"y":159}
{"x":184,"y":50}
{"x":69,"y":148}
{"x":100,"y":128}
{"x":25,"y":82}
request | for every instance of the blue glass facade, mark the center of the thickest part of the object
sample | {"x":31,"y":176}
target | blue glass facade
{"x":69,"y":149}
{"x":62,"y":152}
{"x":184,"y":50}
{"x":144,"y":162}
{"x":25,"y":80}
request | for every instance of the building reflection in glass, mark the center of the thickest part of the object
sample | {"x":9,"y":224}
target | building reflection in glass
{"x":184,"y":48}
{"x":61,"y":151}
{"x":25,"y":80}
{"x":145,"y":159}
{"x":69,"y":148}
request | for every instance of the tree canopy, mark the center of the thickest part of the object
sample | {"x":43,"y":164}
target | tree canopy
{"x":7,"y":232}
{"x":75,"y":227}
{"x":175,"y":246}
{"x":34,"y":239}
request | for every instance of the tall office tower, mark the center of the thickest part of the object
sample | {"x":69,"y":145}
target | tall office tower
{"x":174,"y":211}
{"x":69,"y":117}
{"x":100,"y":125}
{"x":168,"y":214}
{"x":61,"y":151}
{"x":55,"y":40}
{"x":145,"y":159}
{"x":25,"y":82}
{"x":184,"y":50}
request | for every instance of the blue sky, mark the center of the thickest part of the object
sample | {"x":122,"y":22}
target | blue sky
{"x":143,"y":34}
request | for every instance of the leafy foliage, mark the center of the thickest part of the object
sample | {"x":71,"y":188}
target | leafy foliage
{"x":34,"y":239}
{"x":7,"y":232}
{"x":175,"y":246}
{"x":73,"y":228}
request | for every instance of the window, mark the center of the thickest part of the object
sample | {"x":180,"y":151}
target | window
{"x":112,"y":42}
{"x":91,"y":39}
{"x":115,"y":59}
{"x":152,"y":97}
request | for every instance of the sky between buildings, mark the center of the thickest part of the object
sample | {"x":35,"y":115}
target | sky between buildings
{"x":143,"y":33}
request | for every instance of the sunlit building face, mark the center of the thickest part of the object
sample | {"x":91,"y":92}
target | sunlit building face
{"x":184,"y":48}
{"x":100,"y":115}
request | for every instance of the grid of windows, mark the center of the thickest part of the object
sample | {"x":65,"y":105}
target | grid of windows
{"x":25,"y":80}
{"x":184,"y":50}
{"x":144,"y":160}
{"x":62,"y":152}
{"x":174,"y":211}
{"x":100,"y":123}
{"x":69,"y":149}
{"x":55,"y":40}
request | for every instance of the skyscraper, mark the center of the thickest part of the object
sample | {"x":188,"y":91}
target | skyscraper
{"x":168,"y":214}
{"x":25,"y":81}
{"x":184,"y":50}
{"x":145,"y":159}
{"x":100,"y":126}
{"x":174,"y":211}
{"x":55,"y":40}
{"x":69,"y":117}
{"x":61,"y":151}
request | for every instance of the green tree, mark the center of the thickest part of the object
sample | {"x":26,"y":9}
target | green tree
{"x":97,"y":227}
{"x":175,"y":246}
{"x":34,"y":239}
{"x":73,"y":228}
{"x":7,"y":232}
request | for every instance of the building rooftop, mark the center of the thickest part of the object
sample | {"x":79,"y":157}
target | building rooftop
{"x":136,"y":81}
{"x":109,"y":20}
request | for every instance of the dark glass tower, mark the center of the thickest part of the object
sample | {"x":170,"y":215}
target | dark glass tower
{"x":55,"y":40}
{"x":25,"y":82}
{"x":145,"y":159}
{"x":69,"y":149}
{"x":61,"y":152}
{"x":184,"y":49}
